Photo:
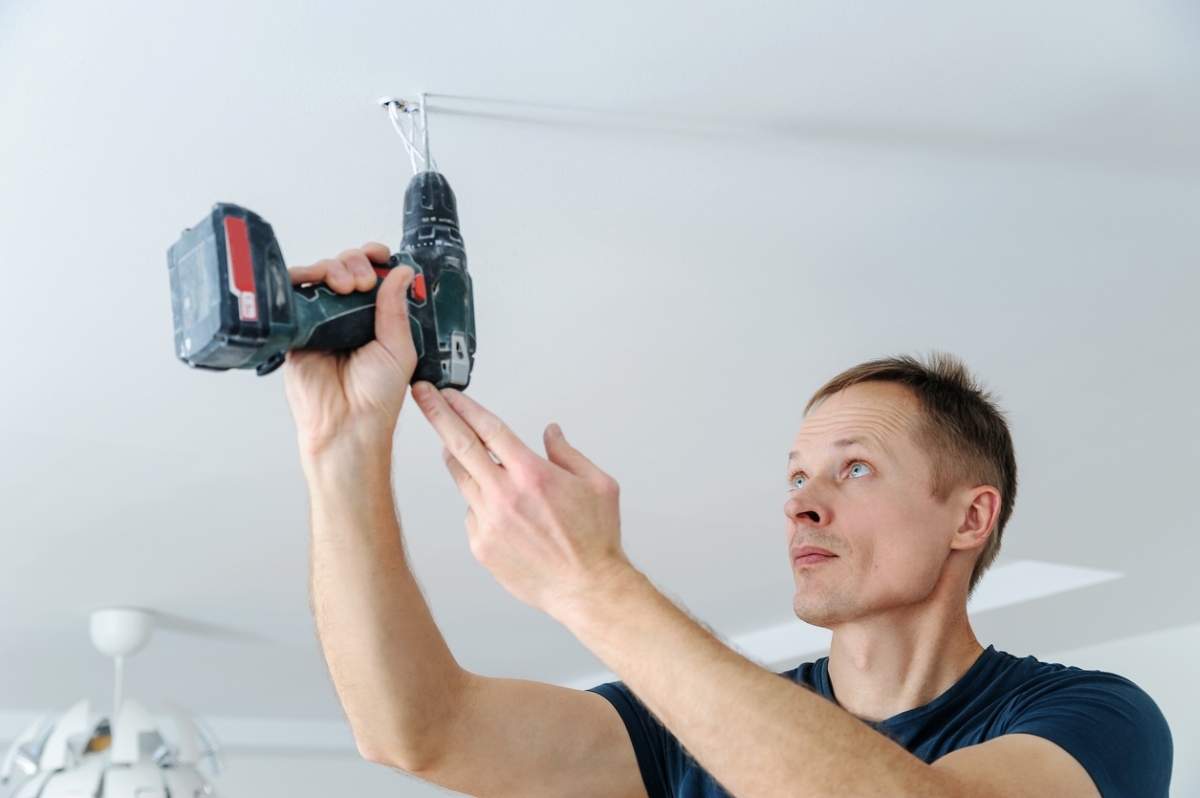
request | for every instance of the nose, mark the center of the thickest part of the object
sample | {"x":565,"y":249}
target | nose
{"x":805,"y":507}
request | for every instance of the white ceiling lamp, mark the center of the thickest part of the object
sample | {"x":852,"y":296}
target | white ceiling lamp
{"x":123,"y":755}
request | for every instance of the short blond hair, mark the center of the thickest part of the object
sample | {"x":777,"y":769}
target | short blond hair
{"x":961,"y":429}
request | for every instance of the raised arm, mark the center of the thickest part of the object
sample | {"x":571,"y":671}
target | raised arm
{"x":410,"y":704}
{"x":548,"y":530}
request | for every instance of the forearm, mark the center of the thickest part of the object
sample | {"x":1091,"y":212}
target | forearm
{"x":393,"y":672}
{"x":756,"y":733}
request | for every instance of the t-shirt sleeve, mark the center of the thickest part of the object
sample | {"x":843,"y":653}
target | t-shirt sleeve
{"x":1108,"y":724}
{"x":658,"y":752}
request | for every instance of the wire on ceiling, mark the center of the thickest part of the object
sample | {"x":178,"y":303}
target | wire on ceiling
{"x":416,"y":137}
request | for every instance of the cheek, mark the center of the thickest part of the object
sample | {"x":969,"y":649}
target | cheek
{"x":896,"y":544}
{"x":861,"y":529}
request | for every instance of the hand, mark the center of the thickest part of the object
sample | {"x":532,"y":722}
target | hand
{"x":548,"y":529}
{"x":355,"y":396}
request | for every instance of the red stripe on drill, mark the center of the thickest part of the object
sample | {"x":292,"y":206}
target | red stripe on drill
{"x":241,"y":267}
{"x":416,"y":290}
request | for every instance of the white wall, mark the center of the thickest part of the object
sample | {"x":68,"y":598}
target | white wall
{"x":1167,"y":666}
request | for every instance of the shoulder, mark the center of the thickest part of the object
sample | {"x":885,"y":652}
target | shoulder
{"x":1106,"y":722}
{"x":1043,"y":691}
{"x":1035,"y":685}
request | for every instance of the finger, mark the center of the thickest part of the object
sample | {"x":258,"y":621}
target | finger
{"x":319,"y":272}
{"x":566,"y":456}
{"x":495,"y":434}
{"x":302,"y":275}
{"x":360,"y":269}
{"x":335,"y":275}
{"x":465,"y":483}
{"x":456,"y":434}
{"x":391,"y":317}
{"x":378,"y":253}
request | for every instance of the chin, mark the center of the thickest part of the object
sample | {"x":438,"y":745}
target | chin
{"x":822,"y":610}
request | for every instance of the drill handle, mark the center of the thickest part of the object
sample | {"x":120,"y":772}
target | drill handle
{"x":326,"y":320}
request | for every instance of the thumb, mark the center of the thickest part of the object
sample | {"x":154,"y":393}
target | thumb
{"x":391,"y":317}
{"x":566,"y":456}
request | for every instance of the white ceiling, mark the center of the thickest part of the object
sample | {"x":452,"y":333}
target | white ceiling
{"x":1016,"y":182}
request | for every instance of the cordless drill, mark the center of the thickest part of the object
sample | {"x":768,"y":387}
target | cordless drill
{"x":235,"y":307}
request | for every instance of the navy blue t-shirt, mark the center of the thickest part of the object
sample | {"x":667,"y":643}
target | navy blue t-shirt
{"x":1106,"y":722}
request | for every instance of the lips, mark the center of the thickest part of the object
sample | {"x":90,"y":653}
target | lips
{"x":811,"y":555}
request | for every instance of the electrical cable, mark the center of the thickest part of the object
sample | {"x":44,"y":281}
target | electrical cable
{"x":417,"y":125}
{"x":739,"y":128}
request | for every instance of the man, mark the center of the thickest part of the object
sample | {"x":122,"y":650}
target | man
{"x":901,"y":479}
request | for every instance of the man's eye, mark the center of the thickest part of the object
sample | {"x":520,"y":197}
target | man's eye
{"x":858,"y":470}
{"x":798,"y":481}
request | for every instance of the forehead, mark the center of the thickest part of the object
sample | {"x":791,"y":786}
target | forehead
{"x":876,"y":415}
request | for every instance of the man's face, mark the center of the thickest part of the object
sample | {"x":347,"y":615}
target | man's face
{"x":866,"y":533}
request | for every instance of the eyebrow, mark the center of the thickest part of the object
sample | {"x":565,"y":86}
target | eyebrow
{"x":841,"y":443}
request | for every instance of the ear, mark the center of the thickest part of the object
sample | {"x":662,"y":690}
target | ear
{"x":982,"y":510}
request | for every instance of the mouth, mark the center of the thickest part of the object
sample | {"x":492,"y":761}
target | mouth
{"x":811,"y":555}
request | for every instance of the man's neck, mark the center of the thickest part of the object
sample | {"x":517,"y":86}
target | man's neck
{"x":888,"y":664}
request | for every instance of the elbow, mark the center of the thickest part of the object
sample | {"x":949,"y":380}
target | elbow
{"x":415,"y":738}
{"x":416,"y":760}
{"x":374,"y":753}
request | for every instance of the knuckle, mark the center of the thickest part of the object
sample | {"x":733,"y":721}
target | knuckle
{"x":492,"y":429}
{"x":509,"y":502}
{"x":537,"y":478}
{"x":480,"y":543}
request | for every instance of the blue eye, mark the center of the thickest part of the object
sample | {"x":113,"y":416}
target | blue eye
{"x":798,"y":481}
{"x":858,"y":470}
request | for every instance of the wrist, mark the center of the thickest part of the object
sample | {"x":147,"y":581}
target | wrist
{"x":602,"y":594}
{"x":350,"y":491}
{"x":350,"y":456}
{"x":354,"y":434}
